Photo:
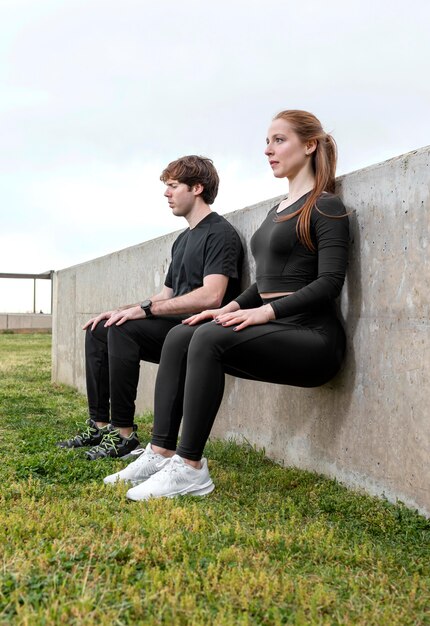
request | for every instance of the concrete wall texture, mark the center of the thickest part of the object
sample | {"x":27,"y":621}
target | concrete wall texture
{"x":25,"y":322}
{"x":369,"y":427}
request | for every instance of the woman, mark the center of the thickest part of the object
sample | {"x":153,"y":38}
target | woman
{"x":283,"y":329}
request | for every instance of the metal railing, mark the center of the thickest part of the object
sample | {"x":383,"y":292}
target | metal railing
{"x":43,"y":276}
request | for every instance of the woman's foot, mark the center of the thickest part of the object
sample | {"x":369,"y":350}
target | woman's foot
{"x":147,"y":464}
{"x":175,"y":478}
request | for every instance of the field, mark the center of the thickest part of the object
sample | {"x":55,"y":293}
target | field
{"x":270,"y":545}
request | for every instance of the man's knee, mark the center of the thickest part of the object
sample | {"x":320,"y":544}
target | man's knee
{"x":99,"y":333}
{"x":120,"y":341}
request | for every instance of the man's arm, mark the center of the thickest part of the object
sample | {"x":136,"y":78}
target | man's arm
{"x":164,"y":294}
{"x":210,"y":295}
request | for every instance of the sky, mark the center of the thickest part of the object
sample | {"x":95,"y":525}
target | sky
{"x":97,"y":96}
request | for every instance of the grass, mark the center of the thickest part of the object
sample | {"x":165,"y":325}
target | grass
{"x":269,"y":546}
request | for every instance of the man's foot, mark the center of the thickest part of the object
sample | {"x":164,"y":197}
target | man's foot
{"x":90,"y":436}
{"x":175,"y":478}
{"x":148,"y":463}
{"x":114,"y":445}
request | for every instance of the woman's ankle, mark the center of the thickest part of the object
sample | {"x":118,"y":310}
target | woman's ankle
{"x":194,"y":464}
{"x":163,"y":451}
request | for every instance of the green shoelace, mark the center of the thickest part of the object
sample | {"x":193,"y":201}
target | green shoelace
{"x":110,"y":440}
{"x":87,"y":429}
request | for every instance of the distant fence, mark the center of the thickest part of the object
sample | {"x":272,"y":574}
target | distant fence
{"x":35,"y":277}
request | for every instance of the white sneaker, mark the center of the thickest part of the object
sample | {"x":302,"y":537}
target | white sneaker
{"x":145,"y":465}
{"x":175,"y":478}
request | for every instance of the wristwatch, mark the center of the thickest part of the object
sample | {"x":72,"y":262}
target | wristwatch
{"x":146,"y":306}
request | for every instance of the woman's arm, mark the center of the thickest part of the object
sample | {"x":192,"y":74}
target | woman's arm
{"x":332,"y":237}
{"x":250,"y":298}
{"x":211,"y":314}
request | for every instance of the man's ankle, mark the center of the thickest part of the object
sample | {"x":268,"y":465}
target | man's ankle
{"x":126,"y":431}
{"x":101,"y":424}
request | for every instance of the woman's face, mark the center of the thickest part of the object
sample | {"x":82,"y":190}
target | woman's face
{"x":286,"y":153}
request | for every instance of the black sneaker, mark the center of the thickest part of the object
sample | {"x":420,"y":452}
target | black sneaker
{"x":92,"y":435}
{"x":114,"y":445}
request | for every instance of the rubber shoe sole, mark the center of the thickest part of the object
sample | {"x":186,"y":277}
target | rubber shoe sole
{"x":187,"y":491}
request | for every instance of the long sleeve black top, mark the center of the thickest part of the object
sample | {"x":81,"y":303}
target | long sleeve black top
{"x":284,"y":264}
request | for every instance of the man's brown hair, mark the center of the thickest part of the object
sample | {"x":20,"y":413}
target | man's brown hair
{"x":193,"y":170}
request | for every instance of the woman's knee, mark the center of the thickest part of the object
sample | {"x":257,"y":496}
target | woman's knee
{"x":209,"y":337}
{"x":178,"y":339}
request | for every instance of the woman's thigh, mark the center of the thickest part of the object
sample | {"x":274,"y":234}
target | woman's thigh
{"x":277,"y":353}
{"x":178,"y":339}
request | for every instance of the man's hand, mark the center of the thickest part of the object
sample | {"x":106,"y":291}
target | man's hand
{"x":246,"y":317}
{"x":119,"y":317}
{"x":95,"y":320}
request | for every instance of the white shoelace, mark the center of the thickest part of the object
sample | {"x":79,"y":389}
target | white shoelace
{"x":172,"y":471}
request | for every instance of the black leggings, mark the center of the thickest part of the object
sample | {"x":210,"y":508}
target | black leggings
{"x":112,"y":360}
{"x":304,"y":351}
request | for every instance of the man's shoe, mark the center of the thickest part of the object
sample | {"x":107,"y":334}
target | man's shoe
{"x":114,"y":445}
{"x":92,"y":435}
{"x":148,"y":463}
{"x":175,"y":478}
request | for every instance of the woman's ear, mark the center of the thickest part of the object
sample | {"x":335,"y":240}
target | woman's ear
{"x":311,"y":146}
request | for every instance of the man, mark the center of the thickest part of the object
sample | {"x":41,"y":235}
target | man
{"x":204,"y":273}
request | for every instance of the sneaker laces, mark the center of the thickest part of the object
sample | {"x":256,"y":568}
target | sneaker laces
{"x":138,"y":452}
{"x":144,"y":457}
{"x":86,"y":430}
{"x":109,"y":441}
{"x":146,"y":454}
{"x":172,"y":469}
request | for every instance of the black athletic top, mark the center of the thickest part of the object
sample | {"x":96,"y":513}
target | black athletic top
{"x":284,"y":264}
{"x":211,"y":247}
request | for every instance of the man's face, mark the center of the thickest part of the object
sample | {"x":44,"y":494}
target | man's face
{"x":180,"y":197}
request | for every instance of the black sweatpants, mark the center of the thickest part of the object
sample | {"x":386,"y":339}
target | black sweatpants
{"x":112,"y":360}
{"x":305,"y":351}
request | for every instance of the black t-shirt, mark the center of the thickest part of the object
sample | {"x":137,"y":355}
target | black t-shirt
{"x":284,"y":264}
{"x":211,"y":247}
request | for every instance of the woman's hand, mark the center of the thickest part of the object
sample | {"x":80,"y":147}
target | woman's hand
{"x":210,"y":314}
{"x":246,"y":317}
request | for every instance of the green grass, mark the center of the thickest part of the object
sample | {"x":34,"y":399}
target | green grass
{"x":269,"y":546}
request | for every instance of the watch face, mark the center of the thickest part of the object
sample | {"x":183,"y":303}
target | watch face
{"x":146,"y":304}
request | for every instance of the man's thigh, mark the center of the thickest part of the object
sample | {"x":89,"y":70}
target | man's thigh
{"x":141,"y":339}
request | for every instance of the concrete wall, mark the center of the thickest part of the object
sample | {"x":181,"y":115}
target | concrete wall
{"x":25,"y":322}
{"x":369,"y":427}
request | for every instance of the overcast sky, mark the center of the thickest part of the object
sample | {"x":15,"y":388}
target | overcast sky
{"x":97,"y":96}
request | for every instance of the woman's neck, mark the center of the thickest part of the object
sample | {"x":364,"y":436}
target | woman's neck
{"x":299,"y":185}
